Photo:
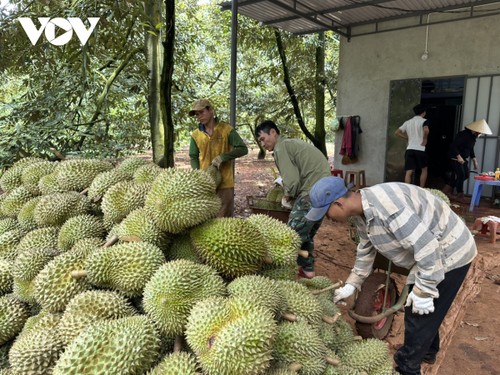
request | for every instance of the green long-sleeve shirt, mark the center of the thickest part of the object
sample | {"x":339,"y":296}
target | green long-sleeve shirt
{"x":300,"y":165}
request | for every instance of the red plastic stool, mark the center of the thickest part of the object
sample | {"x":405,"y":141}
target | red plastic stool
{"x":483,"y":229}
{"x":338,"y":172}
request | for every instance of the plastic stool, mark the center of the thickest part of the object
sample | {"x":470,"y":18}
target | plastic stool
{"x":483,"y":229}
{"x":358,"y":178}
{"x":338,"y":172}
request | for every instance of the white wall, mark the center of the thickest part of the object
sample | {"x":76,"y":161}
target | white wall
{"x":368,"y":64}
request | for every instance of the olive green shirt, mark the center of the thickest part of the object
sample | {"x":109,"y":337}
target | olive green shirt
{"x":300,"y":165}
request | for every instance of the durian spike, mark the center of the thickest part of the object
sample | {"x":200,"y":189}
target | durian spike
{"x":178,"y":344}
{"x":294,"y":367}
{"x":289,"y":317}
{"x":333,"y":361}
{"x":333,"y":286}
{"x":84,"y":191}
{"x":131,"y":238}
{"x":79,"y":274}
{"x":331,"y":319}
{"x":114,"y":239}
{"x":304,"y":253}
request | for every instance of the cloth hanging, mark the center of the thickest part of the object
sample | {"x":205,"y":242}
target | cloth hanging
{"x":350,"y":139}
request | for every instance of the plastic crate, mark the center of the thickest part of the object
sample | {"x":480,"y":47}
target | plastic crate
{"x":260,"y":205}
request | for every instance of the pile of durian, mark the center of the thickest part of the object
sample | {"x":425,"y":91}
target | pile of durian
{"x":125,"y":269}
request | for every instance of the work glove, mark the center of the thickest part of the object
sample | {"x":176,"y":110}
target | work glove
{"x":421,"y":305}
{"x":342,"y":293}
{"x":217,"y":162}
{"x":286,"y":202}
{"x":278,"y":181}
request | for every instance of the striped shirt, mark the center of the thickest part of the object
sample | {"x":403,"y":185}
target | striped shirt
{"x":414,"y":229}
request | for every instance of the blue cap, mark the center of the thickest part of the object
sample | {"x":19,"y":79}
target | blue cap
{"x":322,"y":194}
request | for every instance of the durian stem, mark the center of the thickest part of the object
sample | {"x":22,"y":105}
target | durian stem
{"x":294,"y":367}
{"x":331,"y":319}
{"x":178,"y":344}
{"x":114,"y":239}
{"x":131,"y":238}
{"x":304,"y":253}
{"x":357,"y":338}
{"x":268,"y":260}
{"x":79,"y":274}
{"x":330,"y":287}
{"x":84,"y":191}
{"x":58,"y":154}
{"x":97,"y":199}
{"x":289,"y":317}
{"x":332,"y":361}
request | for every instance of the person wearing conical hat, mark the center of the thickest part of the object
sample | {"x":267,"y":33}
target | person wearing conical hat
{"x":460,"y":151}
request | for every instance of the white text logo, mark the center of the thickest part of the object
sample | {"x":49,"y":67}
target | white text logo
{"x":49,"y":25}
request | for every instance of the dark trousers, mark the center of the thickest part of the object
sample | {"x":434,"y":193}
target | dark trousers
{"x":460,"y":174}
{"x":306,"y":230}
{"x":422,"y":331}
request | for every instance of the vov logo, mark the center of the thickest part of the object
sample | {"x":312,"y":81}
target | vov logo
{"x":49,"y":26}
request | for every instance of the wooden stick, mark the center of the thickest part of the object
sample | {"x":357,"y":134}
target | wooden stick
{"x":333,"y":286}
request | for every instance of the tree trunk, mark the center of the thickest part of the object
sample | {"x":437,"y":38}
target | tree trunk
{"x":154,"y":54}
{"x":166,"y":84}
{"x":319,"y":130}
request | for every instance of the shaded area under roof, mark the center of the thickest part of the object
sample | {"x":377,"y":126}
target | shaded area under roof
{"x":352,"y":18}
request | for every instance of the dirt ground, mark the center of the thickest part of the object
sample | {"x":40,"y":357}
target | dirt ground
{"x":472,"y":345}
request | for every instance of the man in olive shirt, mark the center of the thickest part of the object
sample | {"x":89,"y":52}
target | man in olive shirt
{"x":218,"y":144}
{"x":300,"y":165}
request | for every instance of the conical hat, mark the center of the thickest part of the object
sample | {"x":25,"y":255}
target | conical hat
{"x":479,"y":126}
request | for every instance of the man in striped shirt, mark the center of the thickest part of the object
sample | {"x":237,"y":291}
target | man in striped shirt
{"x":416,"y":230}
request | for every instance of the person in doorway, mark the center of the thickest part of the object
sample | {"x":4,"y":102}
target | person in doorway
{"x":416,"y":131}
{"x":416,"y":230}
{"x":216,"y":143}
{"x":461,"y":149}
{"x":300,"y":165}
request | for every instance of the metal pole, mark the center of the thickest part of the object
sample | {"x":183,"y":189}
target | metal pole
{"x":234,"y":45}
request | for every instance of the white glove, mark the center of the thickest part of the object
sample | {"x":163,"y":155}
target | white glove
{"x":217,"y":162}
{"x":279,"y":181}
{"x":285,"y":202}
{"x":342,"y":293}
{"x":421,"y":305}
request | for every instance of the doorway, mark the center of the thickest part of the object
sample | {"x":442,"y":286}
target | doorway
{"x":443,"y":98}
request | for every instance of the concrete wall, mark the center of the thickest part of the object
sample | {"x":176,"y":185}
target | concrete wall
{"x":368,"y":63}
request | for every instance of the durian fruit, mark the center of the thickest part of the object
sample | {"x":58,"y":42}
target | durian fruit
{"x":55,"y":209}
{"x":8,"y":243}
{"x":103,"y":181}
{"x":336,"y":336}
{"x":131,"y":164}
{"x":6,"y":279}
{"x":181,"y":199}
{"x":262,"y":290}
{"x":14,"y":201}
{"x":282,"y":370}
{"x":26,"y":267}
{"x":54,"y":286}
{"x":365,"y":355}
{"x":123,"y":198}
{"x":275,"y":193}
{"x":283,"y":242}
{"x":48,"y":184}
{"x":7,"y":224}
{"x":78,"y":174}
{"x":233,"y":246}
{"x":279,"y":273}
{"x":321,"y":287}
{"x":175,"y":288}
{"x":4,"y":357}
{"x":439,"y":194}
{"x":90,"y":307}
{"x":147,"y":173}
{"x":182,"y":248}
{"x":299,"y":343}
{"x":11,"y":178}
{"x":138,"y":226}
{"x":37,"y":348}
{"x":301,"y":304}
{"x":215,"y":174}
{"x":87,"y":245}
{"x":77,"y":228}
{"x":26,"y":216}
{"x":32,"y":173}
{"x":231,"y":336}
{"x":41,"y":238}
{"x":13,"y":315}
{"x":126,"y":346}
{"x":125,"y":267}
{"x":177,"y":363}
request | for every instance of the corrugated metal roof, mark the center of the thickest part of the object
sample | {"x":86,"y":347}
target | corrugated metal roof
{"x":346,"y":17}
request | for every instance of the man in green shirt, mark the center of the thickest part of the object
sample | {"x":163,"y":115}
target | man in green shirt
{"x":300,"y":165}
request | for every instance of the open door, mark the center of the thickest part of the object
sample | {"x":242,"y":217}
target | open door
{"x":404,"y":95}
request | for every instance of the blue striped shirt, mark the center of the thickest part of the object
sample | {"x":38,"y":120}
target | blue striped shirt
{"x":414,"y":229}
